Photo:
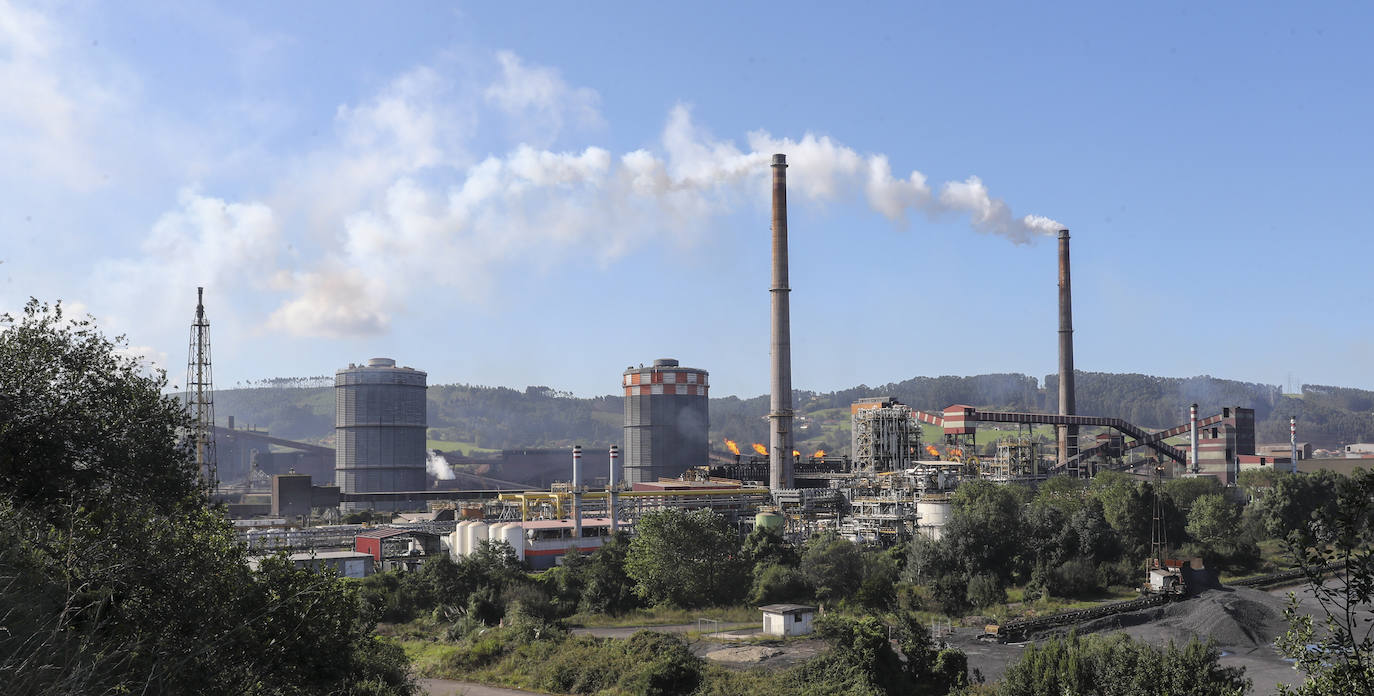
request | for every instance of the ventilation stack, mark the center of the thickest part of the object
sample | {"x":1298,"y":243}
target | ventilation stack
{"x":780,"y":412}
{"x":1293,"y":442}
{"x":1192,"y":437}
{"x":1068,"y":434}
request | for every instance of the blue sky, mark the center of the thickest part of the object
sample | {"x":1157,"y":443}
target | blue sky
{"x":515,"y":194}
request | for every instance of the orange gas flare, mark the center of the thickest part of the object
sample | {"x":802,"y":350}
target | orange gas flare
{"x":936,"y":453}
{"x":764,"y":450}
{"x":734,"y":448}
{"x":956,"y":452}
{"x":819,"y":454}
{"x":796,"y":454}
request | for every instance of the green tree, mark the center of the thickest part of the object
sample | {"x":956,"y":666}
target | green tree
{"x":833,"y":566}
{"x":1119,"y":666}
{"x":1213,"y":521}
{"x":118,"y":576}
{"x":687,"y":559}
{"x":766,"y":547}
{"x":779,"y":583}
{"x":606,"y":587}
{"x":1338,"y":657}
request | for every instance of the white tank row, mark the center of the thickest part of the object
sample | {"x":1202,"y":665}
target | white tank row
{"x":469,"y":534}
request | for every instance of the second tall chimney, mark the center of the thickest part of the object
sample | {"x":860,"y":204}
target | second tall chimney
{"x":1068,"y":434}
{"x":780,"y":407}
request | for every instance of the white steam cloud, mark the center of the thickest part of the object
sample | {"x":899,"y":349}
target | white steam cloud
{"x":438,"y":467}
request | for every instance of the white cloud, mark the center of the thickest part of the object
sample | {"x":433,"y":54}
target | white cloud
{"x":539,"y":101}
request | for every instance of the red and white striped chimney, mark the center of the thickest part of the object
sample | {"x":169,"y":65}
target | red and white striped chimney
{"x":1192,"y":438}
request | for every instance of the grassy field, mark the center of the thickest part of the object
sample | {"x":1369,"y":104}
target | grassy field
{"x":663,"y":616}
{"x":466,"y":448}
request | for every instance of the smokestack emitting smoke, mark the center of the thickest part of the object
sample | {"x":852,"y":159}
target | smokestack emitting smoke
{"x":1068,"y":434}
{"x":780,"y":413}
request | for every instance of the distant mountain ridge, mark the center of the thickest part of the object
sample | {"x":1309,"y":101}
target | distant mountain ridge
{"x":500,"y":417}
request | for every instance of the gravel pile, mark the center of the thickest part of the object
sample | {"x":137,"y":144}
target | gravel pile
{"x":1238,"y":619}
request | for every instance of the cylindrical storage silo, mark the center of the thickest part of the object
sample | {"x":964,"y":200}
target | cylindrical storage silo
{"x":666,"y":420}
{"x":932,"y":514}
{"x":495,"y":531}
{"x":475,"y":534}
{"x":771,"y":521}
{"x":514,"y":534}
{"x":379,"y":431}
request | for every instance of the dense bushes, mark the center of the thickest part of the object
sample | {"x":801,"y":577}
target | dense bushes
{"x":1116,"y":665}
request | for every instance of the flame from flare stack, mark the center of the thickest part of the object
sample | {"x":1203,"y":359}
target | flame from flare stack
{"x":819,"y":454}
{"x":933,"y":452}
{"x":796,"y":454}
{"x":730,"y":445}
{"x":761,"y":449}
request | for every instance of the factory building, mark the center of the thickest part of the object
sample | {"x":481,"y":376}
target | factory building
{"x":666,"y":420}
{"x":1222,"y":445}
{"x":379,"y":421}
{"x":884,"y":434}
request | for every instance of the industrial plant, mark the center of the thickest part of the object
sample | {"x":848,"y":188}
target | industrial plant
{"x":895,"y":482}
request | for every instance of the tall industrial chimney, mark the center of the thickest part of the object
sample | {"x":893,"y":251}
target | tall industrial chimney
{"x":1192,"y":437}
{"x":1293,"y":442}
{"x":1068,"y":434}
{"x":611,"y":487}
{"x":780,"y":411}
{"x":577,"y":495}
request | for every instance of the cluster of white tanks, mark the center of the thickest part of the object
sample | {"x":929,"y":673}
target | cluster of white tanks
{"x":469,"y":534}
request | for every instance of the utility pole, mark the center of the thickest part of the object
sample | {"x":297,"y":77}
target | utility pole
{"x":200,"y":395}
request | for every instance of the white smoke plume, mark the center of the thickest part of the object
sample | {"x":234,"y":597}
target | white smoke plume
{"x":438,"y":467}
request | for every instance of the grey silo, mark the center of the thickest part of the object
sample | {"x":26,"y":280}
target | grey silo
{"x":666,"y":420}
{"x":379,"y":429}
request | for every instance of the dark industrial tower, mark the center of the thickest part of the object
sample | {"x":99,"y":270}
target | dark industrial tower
{"x":379,"y":430}
{"x":666,"y":420}
{"x":200,"y":395}
{"x":780,"y":460}
{"x":1068,"y":434}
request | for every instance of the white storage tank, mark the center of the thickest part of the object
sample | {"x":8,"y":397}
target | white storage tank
{"x":473,"y":536}
{"x":495,"y":531}
{"x":514,"y":534}
{"x":933,"y":516}
{"x":462,"y":538}
{"x":455,"y":542}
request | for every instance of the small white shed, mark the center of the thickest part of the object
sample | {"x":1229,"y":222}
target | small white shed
{"x":787,"y":619}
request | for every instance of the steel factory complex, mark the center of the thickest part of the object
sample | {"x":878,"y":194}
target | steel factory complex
{"x":891,"y":486}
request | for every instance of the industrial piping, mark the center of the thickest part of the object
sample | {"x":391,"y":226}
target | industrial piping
{"x":1068,"y":434}
{"x":780,"y":411}
{"x":611,"y":487}
{"x":577,"y":494}
{"x":1192,"y":437}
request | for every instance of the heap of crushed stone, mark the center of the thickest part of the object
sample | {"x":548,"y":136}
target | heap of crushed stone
{"x":1239,"y":620}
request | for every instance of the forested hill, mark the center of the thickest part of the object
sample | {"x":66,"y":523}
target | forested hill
{"x":499,"y":417}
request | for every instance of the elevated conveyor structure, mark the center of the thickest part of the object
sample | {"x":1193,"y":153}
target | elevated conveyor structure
{"x":1150,"y":440}
{"x":959,"y":419}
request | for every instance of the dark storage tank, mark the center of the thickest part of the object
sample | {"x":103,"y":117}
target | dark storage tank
{"x":666,"y":420}
{"x":379,"y":430}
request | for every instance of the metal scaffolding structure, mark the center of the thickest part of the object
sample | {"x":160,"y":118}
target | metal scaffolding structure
{"x":200,"y":395}
{"x":886,"y":437}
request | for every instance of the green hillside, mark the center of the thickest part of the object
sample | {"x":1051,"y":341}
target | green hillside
{"x":480,"y":420}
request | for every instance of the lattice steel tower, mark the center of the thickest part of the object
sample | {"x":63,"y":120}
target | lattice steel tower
{"x":200,"y":394}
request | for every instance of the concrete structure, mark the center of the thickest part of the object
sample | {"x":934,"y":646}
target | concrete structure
{"x":291,"y":495}
{"x":1285,"y":449}
{"x":787,"y":619}
{"x":1068,"y":434}
{"x":1222,"y":443}
{"x":397,"y":549}
{"x":380,"y":422}
{"x":349,"y":564}
{"x":666,"y":420}
{"x":1358,"y":450}
{"x":780,"y":440}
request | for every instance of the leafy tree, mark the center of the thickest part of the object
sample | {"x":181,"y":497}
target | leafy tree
{"x":1338,"y":657}
{"x":1119,"y":666}
{"x":1213,"y":521}
{"x":983,"y":531}
{"x":1184,"y":491}
{"x":833,"y":566}
{"x":779,"y":583}
{"x":118,"y":576}
{"x":607,"y":588}
{"x":766,"y":547}
{"x":986,"y":590}
{"x":688,"y":559}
